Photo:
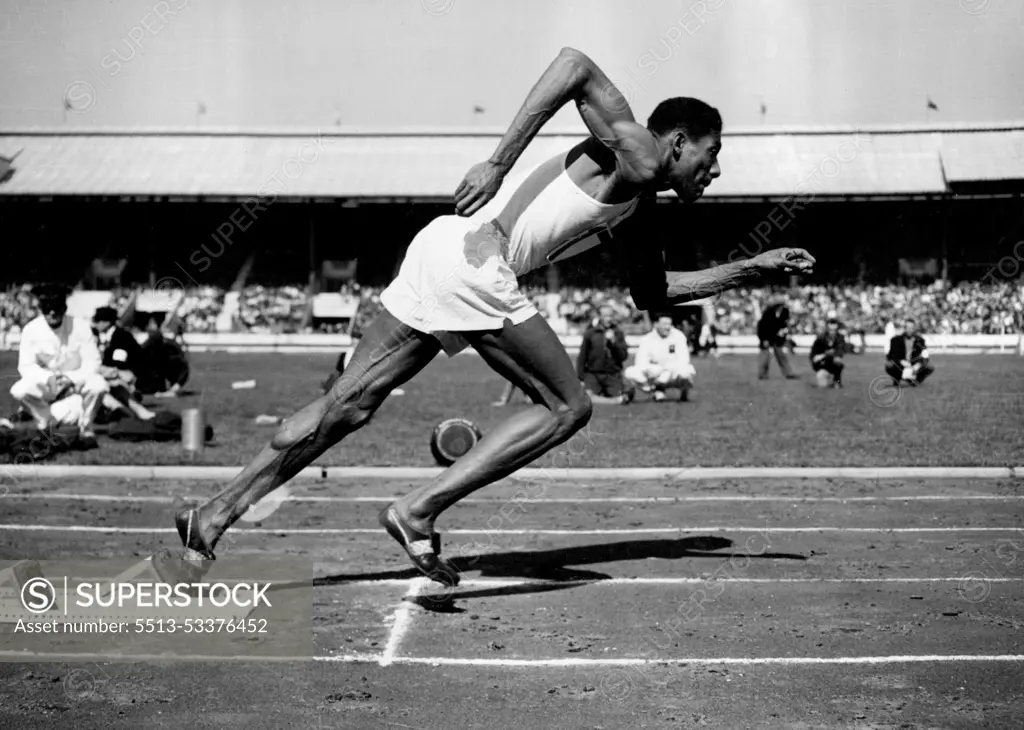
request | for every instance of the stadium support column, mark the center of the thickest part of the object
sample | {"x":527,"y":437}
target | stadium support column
{"x":311,"y":230}
{"x":794,"y":241}
{"x":944,"y":216}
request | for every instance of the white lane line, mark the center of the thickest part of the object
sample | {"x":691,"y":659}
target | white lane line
{"x":424,"y":587}
{"x":48,"y":656}
{"x":742,"y":661}
{"x":498,"y":582}
{"x":157,"y":499}
{"x":16,"y":471}
{"x":402,"y":621}
{"x":501,"y":583}
{"x":28,"y":656}
{"x":628,"y":531}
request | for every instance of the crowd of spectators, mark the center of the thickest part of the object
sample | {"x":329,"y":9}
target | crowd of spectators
{"x":272,"y":309}
{"x":966,"y":308}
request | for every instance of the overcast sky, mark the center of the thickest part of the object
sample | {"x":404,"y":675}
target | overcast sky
{"x":186,"y":64}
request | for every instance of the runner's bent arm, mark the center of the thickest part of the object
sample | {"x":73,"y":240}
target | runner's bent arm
{"x":572,"y":76}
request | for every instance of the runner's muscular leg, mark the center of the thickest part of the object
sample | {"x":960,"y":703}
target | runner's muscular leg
{"x":389,"y":354}
{"x":530,"y":356}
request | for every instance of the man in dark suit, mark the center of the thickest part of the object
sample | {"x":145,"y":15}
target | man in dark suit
{"x":772,"y":333}
{"x":907,"y":360}
{"x":121,"y":363}
{"x":167,"y":368}
{"x":601,"y":361}
{"x":827,"y":356}
{"x":119,"y":349}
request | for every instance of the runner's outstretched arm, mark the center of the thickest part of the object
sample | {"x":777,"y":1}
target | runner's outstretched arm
{"x":652,"y":288}
{"x":687,"y":286}
{"x":571,"y":76}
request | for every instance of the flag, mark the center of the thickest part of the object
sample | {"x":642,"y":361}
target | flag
{"x":931,"y":104}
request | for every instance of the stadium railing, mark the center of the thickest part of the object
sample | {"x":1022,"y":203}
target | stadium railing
{"x":738,"y":344}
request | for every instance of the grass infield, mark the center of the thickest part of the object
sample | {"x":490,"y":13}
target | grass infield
{"x":968,"y":414}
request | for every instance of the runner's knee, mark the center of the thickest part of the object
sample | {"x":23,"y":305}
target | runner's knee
{"x":295,"y":429}
{"x":349,"y":407}
{"x":575,"y":413}
{"x":330,"y":416}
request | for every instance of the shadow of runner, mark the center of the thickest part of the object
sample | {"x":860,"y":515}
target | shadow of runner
{"x":527,"y":564}
{"x":549,"y":568}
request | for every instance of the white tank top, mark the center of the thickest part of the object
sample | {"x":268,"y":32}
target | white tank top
{"x":547,"y":217}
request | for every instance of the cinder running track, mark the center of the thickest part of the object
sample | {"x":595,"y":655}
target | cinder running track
{"x":760,"y":603}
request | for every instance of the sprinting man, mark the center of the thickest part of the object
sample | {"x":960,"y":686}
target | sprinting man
{"x":458,"y":287}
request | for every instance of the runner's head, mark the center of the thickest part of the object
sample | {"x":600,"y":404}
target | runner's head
{"x":689,"y":133}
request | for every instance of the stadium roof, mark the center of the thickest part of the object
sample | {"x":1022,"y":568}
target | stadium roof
{"x":428,"y":164}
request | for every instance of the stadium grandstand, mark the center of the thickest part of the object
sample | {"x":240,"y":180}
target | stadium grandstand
{"x":255,"y":245}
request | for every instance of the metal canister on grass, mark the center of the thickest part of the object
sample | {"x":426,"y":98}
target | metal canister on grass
{"x":452,"y":438}
{"x":193,"y":431}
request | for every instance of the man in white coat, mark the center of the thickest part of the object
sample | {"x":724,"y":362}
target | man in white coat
{"x":663,"y":361}
{"x":59,"y":366}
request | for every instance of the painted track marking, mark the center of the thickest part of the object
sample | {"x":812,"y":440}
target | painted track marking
{"x":158,"y":499}
{"x":18,"y":471}
{"x":626,"y":531}
{"x":574,"y":662}
{"x":402,"y":621}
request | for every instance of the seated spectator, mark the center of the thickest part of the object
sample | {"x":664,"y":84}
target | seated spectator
{"x":907,"y":360}
{"x":166,"y":365}
{"x":59,"y":367}
{"x":121,"y":360}
{"x":663,"y":361}
{"x":603,"y":352}
{"x":827,"y":356}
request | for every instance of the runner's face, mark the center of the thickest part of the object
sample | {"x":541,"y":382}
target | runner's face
{"x":695,"y":165}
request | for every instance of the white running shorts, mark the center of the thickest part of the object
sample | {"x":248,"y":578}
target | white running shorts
{"x":455,"y":278}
